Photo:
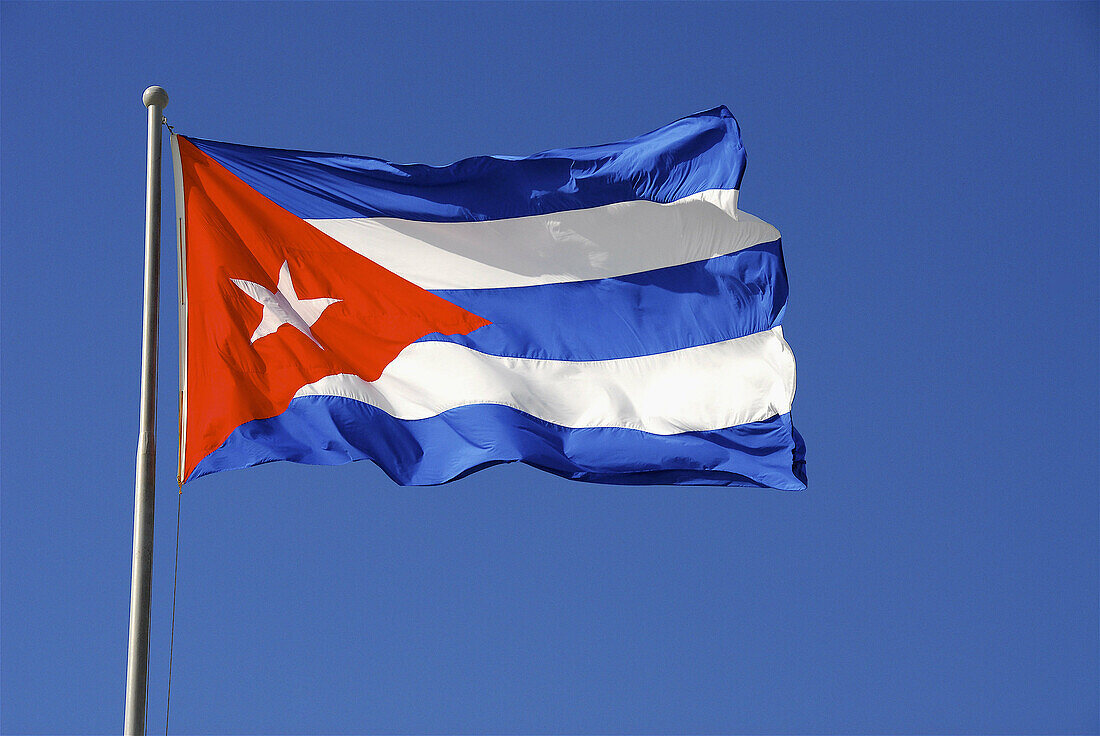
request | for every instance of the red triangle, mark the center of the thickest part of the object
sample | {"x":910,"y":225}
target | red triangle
{"x":234,"y":232}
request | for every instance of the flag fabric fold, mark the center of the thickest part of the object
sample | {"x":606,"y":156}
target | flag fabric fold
{"x":606,"y":313}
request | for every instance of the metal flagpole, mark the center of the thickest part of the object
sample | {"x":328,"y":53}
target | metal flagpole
{"x":137,"y":664}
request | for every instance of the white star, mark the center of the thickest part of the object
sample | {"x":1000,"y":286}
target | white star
{"x":284,"y":307}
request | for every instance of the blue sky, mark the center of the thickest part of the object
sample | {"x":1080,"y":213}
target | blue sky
{"x":934,"y":171}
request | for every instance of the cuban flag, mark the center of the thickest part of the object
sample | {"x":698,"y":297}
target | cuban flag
{"x":605,"y":313}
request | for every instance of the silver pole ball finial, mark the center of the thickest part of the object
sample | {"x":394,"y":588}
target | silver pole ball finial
{"x":155,"y":96}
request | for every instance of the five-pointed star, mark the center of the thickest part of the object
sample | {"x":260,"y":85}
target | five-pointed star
{"x":284,"y":307}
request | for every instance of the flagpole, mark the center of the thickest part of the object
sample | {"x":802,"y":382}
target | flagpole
{"x":137,"y":658}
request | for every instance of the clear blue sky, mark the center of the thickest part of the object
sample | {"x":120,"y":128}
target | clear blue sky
{"x":934,"y":171}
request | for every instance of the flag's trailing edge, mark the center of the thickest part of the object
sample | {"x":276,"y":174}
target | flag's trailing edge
{"x":604,"y":313}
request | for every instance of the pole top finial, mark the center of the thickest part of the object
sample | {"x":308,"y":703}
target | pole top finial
{"x":155,"y":96}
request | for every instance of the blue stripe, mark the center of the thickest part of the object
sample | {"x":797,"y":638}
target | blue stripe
{"x":642,"y":314}
{"x":326,"y":430}
{"x":699,"y":152}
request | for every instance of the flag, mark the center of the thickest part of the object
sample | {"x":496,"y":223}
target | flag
{"x":603,"y":313}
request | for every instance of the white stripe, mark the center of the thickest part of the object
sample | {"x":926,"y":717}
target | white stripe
{"x":576,"y":245}
{"x":181,"y":279}
{"x":714,"y":386}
